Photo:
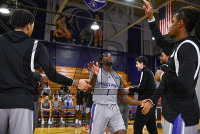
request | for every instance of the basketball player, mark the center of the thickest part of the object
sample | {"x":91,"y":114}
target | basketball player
{"x":18,"y":54}
{"x":107,"y":85}
{"x":88,"y":108}
{"x":160,"y":90}
{"x":124,"y":110}
{"x":57,"y":107}
{"x":45,"y":106}
{"x":79,"y":107}
{"x":184,"y":61}
{"x":40,"y":81}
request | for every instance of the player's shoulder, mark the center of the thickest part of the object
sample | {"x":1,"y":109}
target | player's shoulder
{"x":40,"y":44}
{"x":116,"y":75}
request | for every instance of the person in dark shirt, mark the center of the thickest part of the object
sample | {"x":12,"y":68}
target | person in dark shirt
{"x":17,"y":55}
{"x":79,"y":106}
{"x":88,"y":108}
{"x":160,"y":90}
{"x":145,"y":90}
{"x":179,"y":96}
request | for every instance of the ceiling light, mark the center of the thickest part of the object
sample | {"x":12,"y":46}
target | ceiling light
{"x":95,"y":26}
{"x":153,"y":38}
{"x":4,"y":10}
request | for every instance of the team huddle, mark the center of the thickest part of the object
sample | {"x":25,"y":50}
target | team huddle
{"x":108,"y":101}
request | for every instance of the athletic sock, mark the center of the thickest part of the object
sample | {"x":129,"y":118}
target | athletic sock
{"x":76,"y":121}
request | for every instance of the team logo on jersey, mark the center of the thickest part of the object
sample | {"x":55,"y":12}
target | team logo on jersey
{"x":117,"y":77}
{"x":109,"y":76}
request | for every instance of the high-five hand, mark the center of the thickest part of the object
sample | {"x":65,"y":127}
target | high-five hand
{"x":94,"y":69}
{"x":148,"y":10}
{"x":158,"y":75}
{"x":147,"y":106}
{"x":82,"y":84}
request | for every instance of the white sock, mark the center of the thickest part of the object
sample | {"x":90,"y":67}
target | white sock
{"x":42,"y":119}
{"x":49,"y":119}
{"x":76,"y":121}
{"x":61,"y":118}
{"x":80,"y":122}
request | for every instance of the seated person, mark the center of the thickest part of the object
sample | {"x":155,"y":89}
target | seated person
{"x":46,"y":89}
{"x":57,"y":107}
{"x":57,"y":92}
{"x":45,"y":106}
{"x":62,"y":30}
{"x":69,"y":100}
{"x":62,"y":94}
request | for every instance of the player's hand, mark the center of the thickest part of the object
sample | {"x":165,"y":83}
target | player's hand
{"x":44,"y":80}
{"x":127,"y":90}
{"x":94,"y":69}
{"x":158,"y":75}
{"x":82,"y":84}
{"x":148,"y":10}
{"x":147,"y":106}
{"x":142,"y":103}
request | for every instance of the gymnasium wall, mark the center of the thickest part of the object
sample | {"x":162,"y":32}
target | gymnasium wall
{"x":71,"y":55}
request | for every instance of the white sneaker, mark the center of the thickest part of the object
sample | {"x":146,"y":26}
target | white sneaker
{"x":42,"y":122}
{"x":49,"y":122}
{"x":62,"y":121}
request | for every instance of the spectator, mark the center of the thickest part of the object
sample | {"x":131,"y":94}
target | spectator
{"x":46,"y":89}
{"x":69,"y":100}
{"x":57,"y":107}
{"x":45,"y":106}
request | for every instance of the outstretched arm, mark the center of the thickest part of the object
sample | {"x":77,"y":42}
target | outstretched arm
{"x":42,"y":57}
{"x":128,"y":101}
{"x":160,"y":40}
{"x":94,"y":70}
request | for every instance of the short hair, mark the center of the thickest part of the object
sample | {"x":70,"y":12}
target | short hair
{"x":167,"y":51}
{"x":20,"y":18}
{"x":101,"y":57}
{"x":46,"y":94}
{"x":191,"y":17}
{"x":55,"y":95}
{"x":142,"y":59}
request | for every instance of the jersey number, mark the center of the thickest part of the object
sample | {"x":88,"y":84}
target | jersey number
{"x":108,"y":92}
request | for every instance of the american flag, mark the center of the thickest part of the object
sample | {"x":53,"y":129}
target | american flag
{"x":165,"y":18}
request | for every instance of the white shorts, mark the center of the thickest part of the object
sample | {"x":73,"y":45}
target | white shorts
{"x":16,"y":121}
{"x":106,"y":115}
{"x":178,"y":127}
{"x":88,"y":109}
{"x":79,"y":107}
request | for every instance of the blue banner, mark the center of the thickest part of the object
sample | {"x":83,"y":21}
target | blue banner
{"x":95,"y":5}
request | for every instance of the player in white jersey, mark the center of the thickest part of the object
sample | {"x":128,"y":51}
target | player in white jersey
{"x":107,"y":85}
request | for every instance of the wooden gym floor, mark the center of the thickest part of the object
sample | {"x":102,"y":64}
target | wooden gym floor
{"x":66,"y":129}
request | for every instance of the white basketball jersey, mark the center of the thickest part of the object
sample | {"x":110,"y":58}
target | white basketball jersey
{"x":106,"y":87}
